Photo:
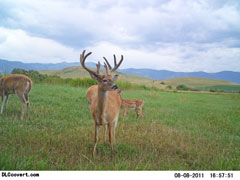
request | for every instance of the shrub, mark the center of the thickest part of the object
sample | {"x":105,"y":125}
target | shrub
{"x":55,"y":80}
{"x":183,"y":87}
{"x":169,"y":87}
{"x":213,"y":90}
{"x":126,"y":85}
{"x":144,"y":87}
{"x":194,"y":89}
{"x":162,"y":83}
{"x":86,"y":82}
{"x":34,"y":75}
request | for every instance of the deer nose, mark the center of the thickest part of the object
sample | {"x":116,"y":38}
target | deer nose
{"x":114,"y":87}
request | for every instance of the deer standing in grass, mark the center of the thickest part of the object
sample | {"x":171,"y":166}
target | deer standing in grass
{"x":105,"y":103}
{"x":90,"y":95}
{"x":15,"y":84}
{"x":136,"y":104}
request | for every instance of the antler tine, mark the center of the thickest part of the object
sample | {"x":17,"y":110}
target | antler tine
{"x":115,"y":60}
{"x":98,"y":67}
{"x":106,"y":68}
{"x":83,"y":57}
{"x":109,"y":66}
{"x":115,"y":63}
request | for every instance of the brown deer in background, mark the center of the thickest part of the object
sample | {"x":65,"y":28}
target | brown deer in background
{"x":135,"y":104}
{"x":15,"y":84}
{"x":105,"y":103}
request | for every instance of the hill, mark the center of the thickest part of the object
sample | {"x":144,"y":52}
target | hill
{"x":164,"y":74}
{"x":8,"y":66}
{"x":195,"y":82}
{"x":192,"y":82}
{"x":222,"y":88}
{"x":79,"y":72}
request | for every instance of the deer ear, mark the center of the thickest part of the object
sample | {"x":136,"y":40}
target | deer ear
{"x":115,"y":77}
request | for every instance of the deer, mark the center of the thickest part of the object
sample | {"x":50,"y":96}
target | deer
{"x":90,"y":95}
{"x":136,"y":104}
{"x":15,"y":84}
{"x":105,"y":103}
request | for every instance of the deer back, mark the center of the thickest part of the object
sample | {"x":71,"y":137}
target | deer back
{"x":132,"y":103}
{"x":13,"y":83}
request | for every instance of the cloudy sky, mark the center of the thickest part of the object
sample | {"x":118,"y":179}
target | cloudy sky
{"x":177,"y":35}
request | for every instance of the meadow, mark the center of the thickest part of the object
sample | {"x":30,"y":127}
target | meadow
{"x":222,"y":88}
{"x":181,"y":131}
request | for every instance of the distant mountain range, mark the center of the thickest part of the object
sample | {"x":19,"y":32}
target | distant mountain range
{"x":164,"y":74}
{"x":8,"y":66}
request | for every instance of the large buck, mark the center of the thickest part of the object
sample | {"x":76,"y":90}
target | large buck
{"x":15,"y":84}
{"x":136,"y":104}
{"x":91,"y":95}
{"x":105,"y":104}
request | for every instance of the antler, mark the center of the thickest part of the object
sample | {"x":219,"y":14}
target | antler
{"x":98,"y":67}
{"x":83,"y":58}
{"x":106,"y":68}
{"x":116,"y":65}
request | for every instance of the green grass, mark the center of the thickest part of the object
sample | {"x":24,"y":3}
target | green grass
{"x":222,"y":88}
{"x":181,"y":131}
{"x":195,"y":82}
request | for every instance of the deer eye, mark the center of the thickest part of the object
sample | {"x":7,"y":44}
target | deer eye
{"x":105,"y":80}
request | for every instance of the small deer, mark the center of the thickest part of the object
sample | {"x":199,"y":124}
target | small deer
{"x":104,"y":102}
{"x":136,"y":104}
{"x":15,"y":84}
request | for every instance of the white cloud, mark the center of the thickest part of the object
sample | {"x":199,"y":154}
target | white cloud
{"x":179,"y":35}
{"x":175,"y":57}
{"x":18,"y":45}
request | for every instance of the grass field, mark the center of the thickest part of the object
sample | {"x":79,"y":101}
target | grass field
{"x":196,"y":82}
{"x":222,"y":88}
{"x":181,"y":131}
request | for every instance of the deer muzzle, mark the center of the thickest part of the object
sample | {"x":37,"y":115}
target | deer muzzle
{"x":114,"y":87}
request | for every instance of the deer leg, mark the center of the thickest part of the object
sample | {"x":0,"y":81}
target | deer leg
{"x":124,"y":113}
{"x":105,"y":132}
{"x":137,"y":112}
{"x":142,"y":115}
{"x":27,"y":101}
{"x":23,"y":101}
{"x":95,"y":139}
{"x":7,"y":98}
{"x":114,"y":131}
{"x":3,"y":101}
{"x":110,"y":127}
